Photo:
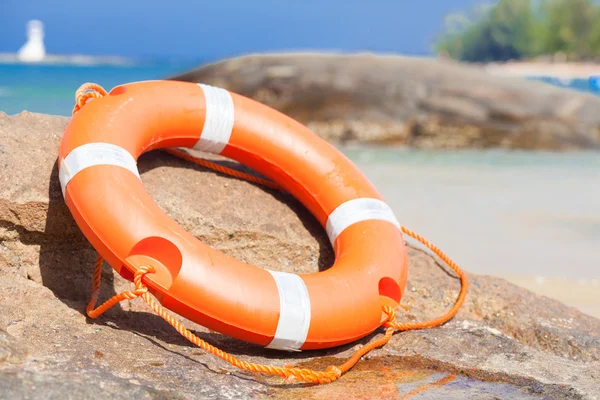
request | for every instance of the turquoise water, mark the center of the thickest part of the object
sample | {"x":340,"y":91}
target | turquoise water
{"x":50,"y":89}
{"x":576,"y":84}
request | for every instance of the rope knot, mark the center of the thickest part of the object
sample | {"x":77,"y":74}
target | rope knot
{"x":86,"y":92}
{"x":140,"y":287}
{"x":391,"y":322}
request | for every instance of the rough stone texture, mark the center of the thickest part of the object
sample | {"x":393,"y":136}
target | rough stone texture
{"x":410,"y":101}
{"x":505,"y":342}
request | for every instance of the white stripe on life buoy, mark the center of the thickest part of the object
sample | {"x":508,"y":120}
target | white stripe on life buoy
{"x":294,"y":312}
{"x":91,"y":154}
{"x":218,"y":122}
{"x":357,"y":210}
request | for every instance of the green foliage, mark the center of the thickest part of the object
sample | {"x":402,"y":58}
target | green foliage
{"x":517,"y":29}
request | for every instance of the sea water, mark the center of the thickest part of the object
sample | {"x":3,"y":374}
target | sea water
{"x":532,"y":216}
{"x":50,"y":89}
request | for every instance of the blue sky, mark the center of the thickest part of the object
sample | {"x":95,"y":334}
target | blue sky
{"x":220,"y":28}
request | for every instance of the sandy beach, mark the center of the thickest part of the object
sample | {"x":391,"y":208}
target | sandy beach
{"x":530,"y":218}
{"x":559,"y":70}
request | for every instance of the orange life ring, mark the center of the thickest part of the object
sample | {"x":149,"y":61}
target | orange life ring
{"x":102,"y":188}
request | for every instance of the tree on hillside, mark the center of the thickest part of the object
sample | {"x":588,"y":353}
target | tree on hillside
{"x":515,"y":29}
{"x":570,"y":27}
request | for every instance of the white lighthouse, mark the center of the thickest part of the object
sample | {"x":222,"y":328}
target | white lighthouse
{"x":33,"y":50}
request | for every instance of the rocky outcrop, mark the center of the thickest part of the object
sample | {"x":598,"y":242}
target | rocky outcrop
{"x":408,"y":101}
{"x":504,"y":343}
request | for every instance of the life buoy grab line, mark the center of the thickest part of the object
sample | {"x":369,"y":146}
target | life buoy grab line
{"x":102,"y":188}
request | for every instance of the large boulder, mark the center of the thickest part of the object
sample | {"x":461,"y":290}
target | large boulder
{"x":410,"y":101}
{"x":505,"y":342}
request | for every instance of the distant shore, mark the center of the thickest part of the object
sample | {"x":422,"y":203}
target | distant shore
{"x":74,"y":59}
{"x":560,"y":70}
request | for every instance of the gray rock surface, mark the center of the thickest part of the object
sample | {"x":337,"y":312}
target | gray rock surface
{"x":408,"y":101}
{"x":505,"y":342}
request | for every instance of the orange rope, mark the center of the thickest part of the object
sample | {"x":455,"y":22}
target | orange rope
{"x":85,"y":92}
{"x":222,"y":169}
{"x":332,"y":373}
{"x":464,"y":285}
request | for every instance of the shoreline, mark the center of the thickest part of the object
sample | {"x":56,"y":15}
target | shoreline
{"x":535,"y":69}
{"x":77,"y":60}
